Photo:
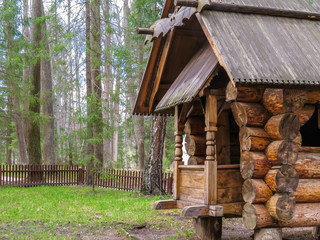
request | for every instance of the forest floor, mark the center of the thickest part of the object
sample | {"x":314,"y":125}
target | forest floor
{"x":80,"y":213}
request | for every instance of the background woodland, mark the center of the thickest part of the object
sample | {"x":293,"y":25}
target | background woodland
{"x":69,"y":75}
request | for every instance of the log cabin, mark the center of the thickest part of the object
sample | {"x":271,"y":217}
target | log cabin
{"x":242,"y":79}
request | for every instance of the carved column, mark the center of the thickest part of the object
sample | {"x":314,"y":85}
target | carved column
{"x":211,"y":118}
{"x":178,"y":127}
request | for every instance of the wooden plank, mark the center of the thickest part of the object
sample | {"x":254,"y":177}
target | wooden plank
{"x":230,"y":195}
{"x":229,"y":209}
{"x":192,"y":167}
{"x":229,"y":166}
{"x":195,"y":211}
{"x":227,"y":178}
{"x":162,"y":62}
{"x":189,"y":198}
{"x":223,"y":139}
{"x":192,"y":180}
{"x":165,"y":204}
{"x":210,"y":188}
{"x":309,"y":149}
{"x":191,"y":193}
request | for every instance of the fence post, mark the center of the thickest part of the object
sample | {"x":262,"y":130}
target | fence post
{"x":80,"y":176}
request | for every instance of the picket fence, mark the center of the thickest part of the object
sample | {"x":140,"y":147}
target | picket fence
{"x":59,"y":175}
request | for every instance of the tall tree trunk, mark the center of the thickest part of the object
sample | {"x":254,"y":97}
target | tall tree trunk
{"x":152,"y":176}
{"x":116,"y":117}
{"x":49,"y":156}
{"x":90,"y":151}
{"x":96,"y":77}
{"x":20,"y":133}
{"x":26,"y":72}
{"x":34,"y":147}
{"x":107,"y":151}
{"x":13,"y":103}
{"x":8,"y":147}
{"x":137,"y":120}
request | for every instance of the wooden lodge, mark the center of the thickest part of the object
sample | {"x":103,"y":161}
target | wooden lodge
{"x":242,"y":79}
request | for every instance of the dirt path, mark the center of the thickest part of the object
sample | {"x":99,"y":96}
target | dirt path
{"x":181,"y":228}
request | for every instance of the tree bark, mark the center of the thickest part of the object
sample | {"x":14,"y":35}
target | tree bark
{"x":49,"y":156}
{"x":305,"y":113}
{"x":305,"y":215}
{"x":196,"y":145}
{"x":90,"y":151}
{"x":152,"y":176}
{"x":308,"y":190}
{"x":194,"y":126}
{"x":282,"y":179}
{"x":282,"y":152}
{"x":243,"y":94}
{"x":283,"y":127}
{"x":254,"y":165}
{"x":107,"y":150}
{"x":308,"y":165}
{"x":196,"y":160}
{"x":268,"y":234}
{"x":249,"y":114}
{"x":279,"y":101}
{"x":34,"y":148}
{"x":253,"y":139}
{"x":26,"y":73}
{"x":255,"y":191}
{"x":24,"y":159}
{"x":96,"y":62}
{"x":281,"y":206}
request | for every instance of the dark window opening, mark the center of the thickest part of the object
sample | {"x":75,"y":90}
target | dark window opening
{"x":310,"y":132}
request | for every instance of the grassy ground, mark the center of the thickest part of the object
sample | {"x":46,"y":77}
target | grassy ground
{"x":80,"y":213}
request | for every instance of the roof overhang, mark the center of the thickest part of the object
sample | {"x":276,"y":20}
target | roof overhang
{"x":275,"y":44}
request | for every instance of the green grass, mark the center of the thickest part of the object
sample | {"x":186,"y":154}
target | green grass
{"x":64,"y":212}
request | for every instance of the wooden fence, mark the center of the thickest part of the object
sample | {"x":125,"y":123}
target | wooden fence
{"x":129,"y":180}
{"x":36,"y":175}
{"x":58,"y":175}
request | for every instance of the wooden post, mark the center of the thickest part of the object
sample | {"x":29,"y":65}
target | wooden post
{"x":210,"y":227}
{"x":316,"y":233}
{"x":211,"y":119}
{"x":178,"y":126}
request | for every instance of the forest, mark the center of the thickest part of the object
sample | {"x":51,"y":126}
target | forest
{"x":69,"y":74}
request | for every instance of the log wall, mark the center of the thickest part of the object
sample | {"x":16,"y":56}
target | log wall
{"x":270,"y":164}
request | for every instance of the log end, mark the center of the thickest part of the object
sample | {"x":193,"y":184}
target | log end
{"x":249,"y":216}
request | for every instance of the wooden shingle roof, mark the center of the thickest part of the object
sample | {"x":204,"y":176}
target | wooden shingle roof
{"x":191,"y":80}
{"x":257,"y":42}
{"x":258,"y":49}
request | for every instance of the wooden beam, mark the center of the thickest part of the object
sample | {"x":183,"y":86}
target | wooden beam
{"x":195,"y":211}
{"x":184,"y":111}
{"x":202,"y":211}
{"x":165,"y":204}
{"x":229,"y":209}
{"x":216,"y":210}
{"x":164,"y":55}
{"x":211,"y":119}
{"x":210,"y":188}
{"x":147,"y":31}
{"x":178,"y":127}
{"x":309,"y":149}
{"x":236,"y":8}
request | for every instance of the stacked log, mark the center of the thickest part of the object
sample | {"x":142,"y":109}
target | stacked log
{"x":195,"y":140}
{"x":281,"y":153}
{"x":270,"y":159}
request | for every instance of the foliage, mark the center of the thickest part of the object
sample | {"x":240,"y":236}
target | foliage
{"x":55,"y":212}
